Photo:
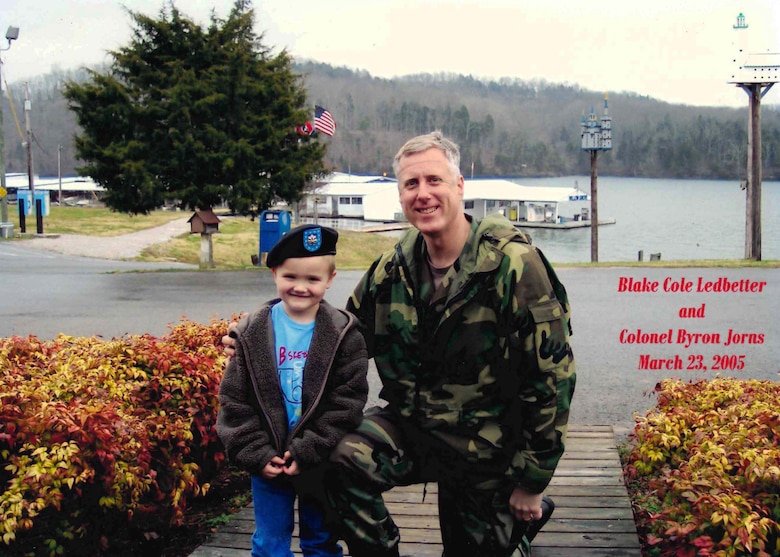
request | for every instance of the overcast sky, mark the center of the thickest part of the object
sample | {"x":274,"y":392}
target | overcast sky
{"x":678,"y":51}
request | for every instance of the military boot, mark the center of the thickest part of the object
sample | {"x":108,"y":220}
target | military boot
{"x":363,"y":549}
{"x":548,"y":506}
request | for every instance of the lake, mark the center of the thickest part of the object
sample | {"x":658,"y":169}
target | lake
{"x":681,"y":219}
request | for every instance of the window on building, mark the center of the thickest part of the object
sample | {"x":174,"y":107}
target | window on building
{"x":469,"y":204}
{"x":343,"y":200}
{"x":357,"y":200}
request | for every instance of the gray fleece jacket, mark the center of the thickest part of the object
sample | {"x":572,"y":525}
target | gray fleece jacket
{"x":252,"y":420}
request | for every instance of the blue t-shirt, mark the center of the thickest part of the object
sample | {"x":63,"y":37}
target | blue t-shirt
{"x":292,"y":342}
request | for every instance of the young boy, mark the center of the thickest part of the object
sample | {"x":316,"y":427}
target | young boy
{"x":296,"y":384}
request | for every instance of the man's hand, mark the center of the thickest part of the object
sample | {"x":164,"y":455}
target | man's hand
{"x":229,"y":340}
{"x":525,"y":506}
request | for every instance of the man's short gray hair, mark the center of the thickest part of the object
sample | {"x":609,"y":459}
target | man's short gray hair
{"x":433,"y":140}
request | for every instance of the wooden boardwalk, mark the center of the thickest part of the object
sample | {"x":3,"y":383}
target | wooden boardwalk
{"x":592,"y":517}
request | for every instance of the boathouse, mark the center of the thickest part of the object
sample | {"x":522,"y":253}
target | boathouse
{"x":375,"y":198}
{"x":525,"y":204}
{"x":342,"y":195}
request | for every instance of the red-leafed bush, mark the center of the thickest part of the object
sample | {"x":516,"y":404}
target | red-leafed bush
{"x":704,"y":469}
{"x":95,"y":434}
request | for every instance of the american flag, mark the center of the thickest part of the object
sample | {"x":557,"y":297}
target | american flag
{"x":323,"y":121}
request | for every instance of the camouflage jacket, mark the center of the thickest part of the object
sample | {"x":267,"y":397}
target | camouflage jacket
{"x":486,"y":368}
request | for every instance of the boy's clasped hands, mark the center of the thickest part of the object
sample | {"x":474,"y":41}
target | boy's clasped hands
{"x":280,"y":465}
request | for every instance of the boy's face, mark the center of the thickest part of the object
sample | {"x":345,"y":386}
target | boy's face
{"x":301,"y":283}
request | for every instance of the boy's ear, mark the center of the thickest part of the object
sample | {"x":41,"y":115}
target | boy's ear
{"x":330,"y":281}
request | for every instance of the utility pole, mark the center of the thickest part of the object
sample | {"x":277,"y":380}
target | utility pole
{"x":754,"y":174}
{"x":11,"y":34}
{"x":755,"y":71}
{"x":30,"y":174}
{"x":59,"y":173}
{"x":28,"y":140}
{"x":594,"y":205}
{"x":596,"y":136}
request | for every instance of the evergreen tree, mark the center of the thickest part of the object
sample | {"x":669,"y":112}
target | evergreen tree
{"x":196,"y":116}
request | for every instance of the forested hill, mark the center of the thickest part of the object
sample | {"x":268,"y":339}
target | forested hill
{"x":513,"y":127}
{"x":507,"y":127}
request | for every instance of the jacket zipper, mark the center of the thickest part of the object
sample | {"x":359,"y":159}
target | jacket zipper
{"x":321,"y":391}
{"x":253,"y":377}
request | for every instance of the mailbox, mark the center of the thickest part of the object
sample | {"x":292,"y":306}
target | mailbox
{"x":204,"y":222}
{"x":23,"y":198}
{"x":273,"y":225}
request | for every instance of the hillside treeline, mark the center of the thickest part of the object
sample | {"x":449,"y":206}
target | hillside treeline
{"x":506,"y":127}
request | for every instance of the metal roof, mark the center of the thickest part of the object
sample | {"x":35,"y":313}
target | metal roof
{"x":344,"y":178}
{"x":70,"y":183}
{"x":504,"y":190}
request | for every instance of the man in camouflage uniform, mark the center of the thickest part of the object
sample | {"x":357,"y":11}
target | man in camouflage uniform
{"x":468,"y":326}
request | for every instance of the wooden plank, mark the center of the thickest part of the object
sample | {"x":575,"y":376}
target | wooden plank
{"x":588,"y":526}
{"x":584,"y":552}
{"x":573,"y":473}
{"x":589,"y":427}
{"x":590,"y":460}
{"x":623,"y":512}
{"x":594,"y":502}
{"x":597,"y":480}
{"x":557,"y":490}
{"x":579,"y":540}
{"x":209,"y":550}
{"x":593,"y":515}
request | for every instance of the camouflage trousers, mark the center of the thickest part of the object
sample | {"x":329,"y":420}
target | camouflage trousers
{"x":381,"y":454}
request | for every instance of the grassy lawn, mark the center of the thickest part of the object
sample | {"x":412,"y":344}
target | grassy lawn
{"x":239,"y":237}
{"x":238,"y":240}
{"x":93,"y":221}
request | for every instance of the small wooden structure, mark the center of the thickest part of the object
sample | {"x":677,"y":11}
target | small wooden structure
{"x":592,"y":518}
{"x":205,"y":223}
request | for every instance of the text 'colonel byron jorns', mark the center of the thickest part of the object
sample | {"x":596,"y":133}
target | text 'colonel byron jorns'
{"x":686,"y":338}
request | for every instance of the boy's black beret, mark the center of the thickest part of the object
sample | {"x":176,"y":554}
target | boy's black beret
{"x":307,"y":240}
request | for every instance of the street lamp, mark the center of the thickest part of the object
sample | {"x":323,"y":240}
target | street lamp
{"x":12,"y":34}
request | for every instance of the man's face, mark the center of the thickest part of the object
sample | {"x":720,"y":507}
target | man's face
{"x":430,"y":194}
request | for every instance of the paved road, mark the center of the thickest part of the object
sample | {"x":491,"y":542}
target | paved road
{"x":45,"y":293}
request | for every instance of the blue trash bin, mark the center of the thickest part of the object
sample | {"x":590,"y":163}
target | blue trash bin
{"x":273,"y":225}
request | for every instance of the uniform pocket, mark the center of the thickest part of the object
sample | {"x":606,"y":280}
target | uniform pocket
{"x":549,"y":335}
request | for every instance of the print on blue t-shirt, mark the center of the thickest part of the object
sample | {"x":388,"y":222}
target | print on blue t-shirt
{"x":292,"y":341}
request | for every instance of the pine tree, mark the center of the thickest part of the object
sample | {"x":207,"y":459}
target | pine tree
{"x":195,"y":116}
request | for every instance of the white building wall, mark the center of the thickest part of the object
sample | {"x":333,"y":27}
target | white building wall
{"x":381,"y":204}
{"x":352,"y":210}
{"x":478,"y":210}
